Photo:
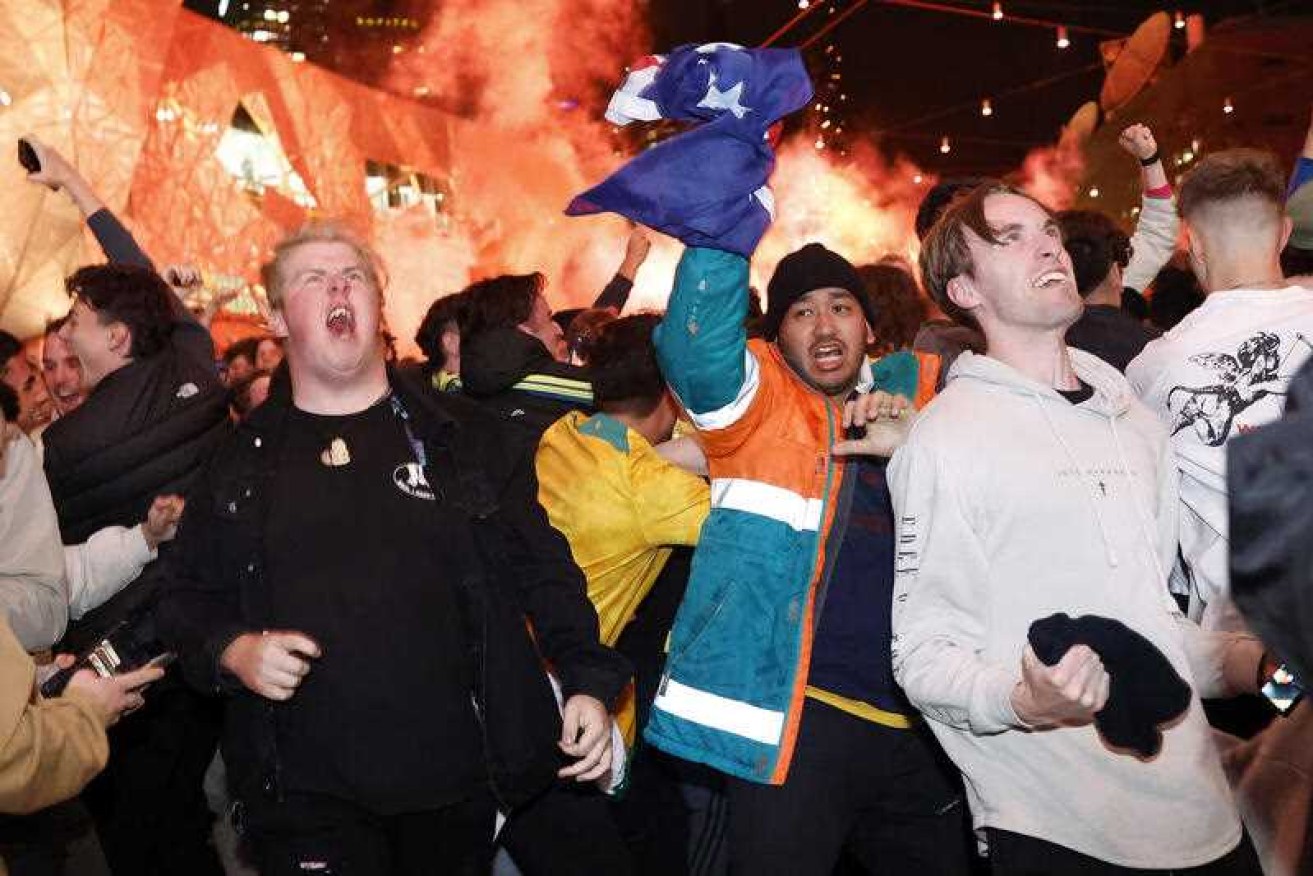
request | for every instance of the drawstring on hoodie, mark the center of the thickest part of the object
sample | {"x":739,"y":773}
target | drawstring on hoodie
{"x":1146,"y":525}
{"x":1080,"y":473}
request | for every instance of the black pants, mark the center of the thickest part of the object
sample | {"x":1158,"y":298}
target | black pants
{"x":887,"y":796}
{"x":1012,"y":854}
{"x":303,"y":835}
{"x":567,"y":830}
{"x":149,"y":803}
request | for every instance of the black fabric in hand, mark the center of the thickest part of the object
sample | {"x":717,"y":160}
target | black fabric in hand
{"x":1145,"y":690}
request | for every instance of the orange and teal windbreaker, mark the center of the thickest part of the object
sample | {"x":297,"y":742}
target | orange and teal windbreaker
{"x":736,"y":674}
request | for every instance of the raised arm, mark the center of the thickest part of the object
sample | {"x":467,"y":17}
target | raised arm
{"x":701,"y":343}
{"x":57,"y":174}
{"x":1157,"y":228}
{"x":1303,"y":172}
{"x":616,"y":293}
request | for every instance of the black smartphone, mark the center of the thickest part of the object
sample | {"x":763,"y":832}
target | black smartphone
{"x":27,"y":157}
{"x":119,"y":652}
{"x":1283,"y":690}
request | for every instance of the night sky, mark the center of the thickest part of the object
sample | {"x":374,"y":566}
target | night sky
{"x":900,"y":64}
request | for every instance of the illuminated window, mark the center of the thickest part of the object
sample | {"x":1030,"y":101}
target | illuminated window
{"x":391,"y":187}
{"x":255,"y":158}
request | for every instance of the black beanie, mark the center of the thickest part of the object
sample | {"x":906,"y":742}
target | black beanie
{"x":805,"y":270}
{"x":1145,"y":693}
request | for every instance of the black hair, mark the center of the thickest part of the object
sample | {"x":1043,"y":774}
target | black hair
{"x":501,"y":302}
{"x":582,"y":332}
{"x":239,"y":395}
{"x":54,"y":325}
{"x":8,"y":403}
{"x":135,"y":296}
{"x":444,"y":314}
{"x":898,"y":305}
{"x":10,"y":347}
{"x":248,"y":347}
{"x":623,"y":365}
{"x":1296,"y":261}
{"x":1176,"y":292}
{"x":563,"y":318}
{"x":1095,"y":244}
{"x":940,"y":197}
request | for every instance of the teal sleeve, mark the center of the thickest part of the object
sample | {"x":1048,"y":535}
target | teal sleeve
{"x":897,"y":374}
{"x":701,"y":341}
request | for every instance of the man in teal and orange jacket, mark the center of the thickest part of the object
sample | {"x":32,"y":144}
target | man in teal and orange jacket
{"x":779,"y":673}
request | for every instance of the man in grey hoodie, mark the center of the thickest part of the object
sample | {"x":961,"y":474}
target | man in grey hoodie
{"x":1036,"y":483}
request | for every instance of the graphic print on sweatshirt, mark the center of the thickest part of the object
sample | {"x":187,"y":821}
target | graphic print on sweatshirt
{"x":1256,"y":370}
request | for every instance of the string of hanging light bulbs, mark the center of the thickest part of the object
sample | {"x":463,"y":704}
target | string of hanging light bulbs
{"x":996,"y":12}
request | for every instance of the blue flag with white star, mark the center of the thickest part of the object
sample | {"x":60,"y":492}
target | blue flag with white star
{"x":707,"y":186}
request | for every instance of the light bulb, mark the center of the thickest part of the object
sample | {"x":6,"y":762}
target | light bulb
{"x":1063,"y":40}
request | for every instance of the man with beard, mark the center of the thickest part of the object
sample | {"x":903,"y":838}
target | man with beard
{"x":778,"y":672}
{"x":355,"y":569}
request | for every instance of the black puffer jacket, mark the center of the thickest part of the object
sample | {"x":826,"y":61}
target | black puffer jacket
{"x":512,"y":373}
{"x":145,"y":431}
{"x":217,"y":588}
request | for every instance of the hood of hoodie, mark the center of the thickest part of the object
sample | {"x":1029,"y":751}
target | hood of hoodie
{"x":1112,"y":394}
{"x":1111,"y":402}
{"x":495,"y":360}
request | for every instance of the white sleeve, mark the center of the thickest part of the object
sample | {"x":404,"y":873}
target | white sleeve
{"x":1142,"y":373}
{"x":1223,"y":664}
{"x":103,"y":565}
{"x":33,"y":591}
{"x":940,"y":609}
{"x":1153,"y":242}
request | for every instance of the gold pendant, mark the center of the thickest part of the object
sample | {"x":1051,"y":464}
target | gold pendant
{"x":336,"y":455}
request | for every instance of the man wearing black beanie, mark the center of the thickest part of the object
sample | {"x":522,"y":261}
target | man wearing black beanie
{"x":779,"y":673}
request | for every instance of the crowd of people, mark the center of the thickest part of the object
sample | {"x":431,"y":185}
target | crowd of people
{"x":920,"y":569}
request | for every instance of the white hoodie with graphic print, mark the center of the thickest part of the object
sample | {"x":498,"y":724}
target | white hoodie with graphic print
{"x":1013,"y":504}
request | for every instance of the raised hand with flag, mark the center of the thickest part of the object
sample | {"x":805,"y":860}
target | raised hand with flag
{"x":706,"y":187}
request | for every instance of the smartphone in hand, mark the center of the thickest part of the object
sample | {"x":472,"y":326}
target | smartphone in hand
{"x":27,"y":157}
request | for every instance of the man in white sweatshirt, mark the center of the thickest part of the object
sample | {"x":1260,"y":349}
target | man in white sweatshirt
{"x":1034,"y":484}
{"x":1224,"y":369}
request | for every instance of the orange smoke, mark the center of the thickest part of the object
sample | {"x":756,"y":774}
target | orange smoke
{"x":528,"y":80}
{"x":1053,"y":174}
{"x":537,"y":73}
{"x":859,"y":205}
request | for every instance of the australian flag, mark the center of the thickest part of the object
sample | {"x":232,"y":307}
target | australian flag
{"x":707,"y":186}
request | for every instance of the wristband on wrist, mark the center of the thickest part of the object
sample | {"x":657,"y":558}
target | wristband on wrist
{"x":1152,"y":159}
{"x":1266,"y":668}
